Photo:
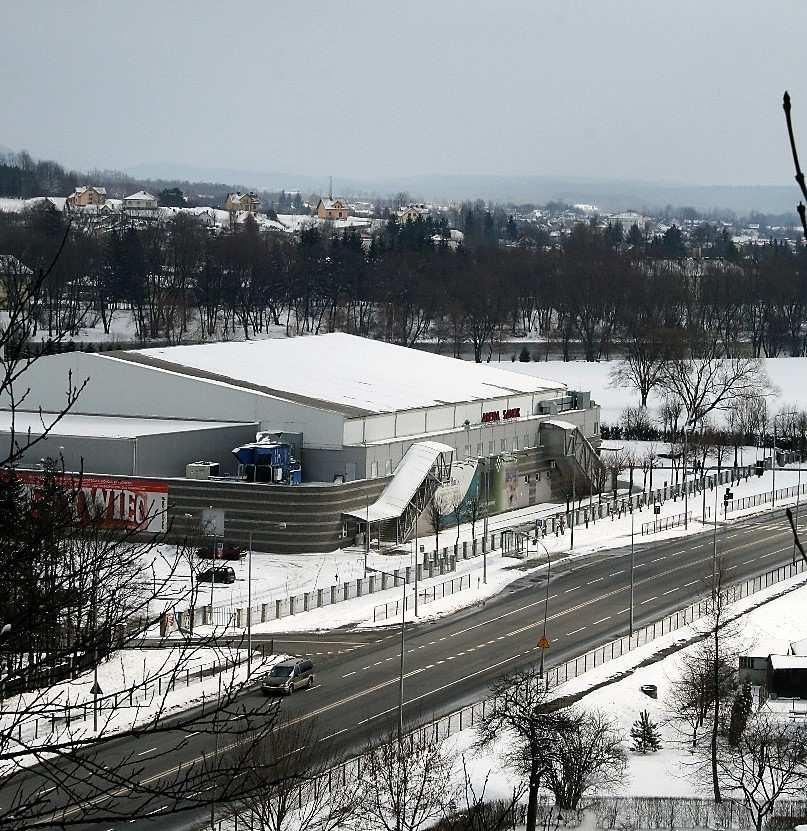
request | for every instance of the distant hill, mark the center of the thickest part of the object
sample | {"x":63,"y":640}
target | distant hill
{"x":606,"y":194}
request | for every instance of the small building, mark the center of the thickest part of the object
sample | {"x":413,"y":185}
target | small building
{"x":248,"y":202}
{"x":86,"y":196}
{"x":331,"y":208}
{"x":787,"y":676}
{"x":141,"y":203}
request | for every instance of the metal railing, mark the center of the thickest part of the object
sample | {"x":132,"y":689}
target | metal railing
{"x":764,"y":498}
{"x":665,"y":523}
{"x":426,"y":595}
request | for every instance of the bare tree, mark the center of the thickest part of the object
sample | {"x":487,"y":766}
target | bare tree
{"x":518,"y":712}
{"x":404,"y":784}
{"x":297,"y":781}
{"x":708,"y":382}
{"x":768,"y":764}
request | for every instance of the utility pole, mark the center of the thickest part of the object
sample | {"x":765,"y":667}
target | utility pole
{"x":798,"y":501}
{"x":417,"y":566}
{"x":485,"y":526}
{"x":684,"y":476}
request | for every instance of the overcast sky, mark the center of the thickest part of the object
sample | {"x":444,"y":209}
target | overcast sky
{"x":686,"y":91}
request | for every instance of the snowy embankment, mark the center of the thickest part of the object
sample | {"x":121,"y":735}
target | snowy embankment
{"x":136,"y":686}
{"x":767,"y":628}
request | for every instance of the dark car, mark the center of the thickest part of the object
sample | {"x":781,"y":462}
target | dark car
{"x":226,"y":552}
{"x":288,"y":676}
{"x":225,"y":574}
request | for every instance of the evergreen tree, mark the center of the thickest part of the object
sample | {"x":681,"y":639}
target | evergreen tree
{"x":740,"y":711}
{"x":645,"y":734}
{"x":524,"y":355}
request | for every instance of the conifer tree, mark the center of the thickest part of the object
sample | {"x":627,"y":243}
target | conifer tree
{"x":645,"y":734}
{"x":740,"y":711}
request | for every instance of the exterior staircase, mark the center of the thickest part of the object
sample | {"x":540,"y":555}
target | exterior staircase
{"x":572,"y":452}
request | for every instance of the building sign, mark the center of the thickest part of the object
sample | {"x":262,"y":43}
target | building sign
{"x":495,"y":415}
{"x":130,"y":504}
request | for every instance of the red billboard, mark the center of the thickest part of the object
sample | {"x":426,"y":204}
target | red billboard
{"x":131,"y":504}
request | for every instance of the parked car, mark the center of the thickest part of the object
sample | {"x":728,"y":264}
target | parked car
{"x":222,"y":574}
{"x":208,"y":551}
{"x":288,"y":676}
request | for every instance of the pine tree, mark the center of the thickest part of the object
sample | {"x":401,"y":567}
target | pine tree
{"x":740,"y":711}
{"x":645,"y":734}
{"x":524,"y":355}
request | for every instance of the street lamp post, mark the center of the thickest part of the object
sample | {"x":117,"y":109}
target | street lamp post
{"x":773,"y":456}
{"x":401,"y":678}
{"x":546,"y":604}
{"x":798,"y":501}
{"x":632,"y":565}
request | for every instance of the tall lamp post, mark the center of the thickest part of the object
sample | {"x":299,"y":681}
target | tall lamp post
{"x":249,"y":595}
{"x":544,"y":641}
{"x":632,"y":566}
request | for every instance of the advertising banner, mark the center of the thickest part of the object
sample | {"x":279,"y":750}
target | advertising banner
{"x":130,"y":504}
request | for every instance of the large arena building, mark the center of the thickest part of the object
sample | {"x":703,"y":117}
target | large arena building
{"x":377,"y":431}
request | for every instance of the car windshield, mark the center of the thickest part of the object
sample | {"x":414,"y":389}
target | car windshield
{"x":281,"y":672}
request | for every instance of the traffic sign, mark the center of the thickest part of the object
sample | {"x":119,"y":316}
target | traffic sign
{"x":96,"y":689}
{"x":543,"y":643}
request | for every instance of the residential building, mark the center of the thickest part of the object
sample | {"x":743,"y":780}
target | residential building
{"x":86,"y":196}
{"x":331,"y":208}
{"x":140,"y":203}
{"x":411,"y":213}
{"x":248,"y":202}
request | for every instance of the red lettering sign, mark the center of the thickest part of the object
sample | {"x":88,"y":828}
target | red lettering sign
{"x":514,"y":412}
{"x":134,"y":504}
{"x":493,"y":415}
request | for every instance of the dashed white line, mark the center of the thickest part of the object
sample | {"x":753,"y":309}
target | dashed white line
{"x":601,"y":620}
{"x":576,"y":631}
{"x":649,"y":600}
{"x":573,"y":588}
{"x":150,"y":750}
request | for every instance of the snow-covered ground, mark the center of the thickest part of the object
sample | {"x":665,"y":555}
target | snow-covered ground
{"x":126,"y":669}
{"x":306,"y":572}
{"x":770,"y":628}
{"x":594,"y":376}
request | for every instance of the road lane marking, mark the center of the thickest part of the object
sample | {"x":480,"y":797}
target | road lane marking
{"x":151,"y":749}
{"x":614,"y":573}
{"x":596,"y":581}
{"x":573,"y":588}
{"x":670,"y":591}
{"x":349,"y":674}
{"x":601,"y":620}
{"x":649,"y":600}
{"x":575,"y":631}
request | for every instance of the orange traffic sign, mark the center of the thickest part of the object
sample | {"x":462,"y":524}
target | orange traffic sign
{"x":543,"y":643}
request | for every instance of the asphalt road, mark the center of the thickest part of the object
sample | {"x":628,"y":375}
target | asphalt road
{"x":453,"y":661}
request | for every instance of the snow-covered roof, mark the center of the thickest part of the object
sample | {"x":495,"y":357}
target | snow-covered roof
{"x":352,"y":375}
{"x":788,"y":662}
{"x":335,"y":202}
{"x":84,"y":188}
{"x":141,"y":194}
{"x":409,"y":475}
{"x":109,"y":427}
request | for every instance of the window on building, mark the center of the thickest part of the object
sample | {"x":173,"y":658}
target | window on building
{"x":746,"y":663}
{"x":467,"y":451}
{"x":538,"y":476}
{"x":491,"y":448}
{"x":515,"y":442}
{"x":480,"y":449}
{"x":596,"y":427}
{"x":526,"y":440}
{"x":374,"y":470}
{"x":503,"y":445}
{"x":388,"y":467}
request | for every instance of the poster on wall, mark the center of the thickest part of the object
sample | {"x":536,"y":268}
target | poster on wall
{"x":128,"y":504}
{"x":454,"y":497}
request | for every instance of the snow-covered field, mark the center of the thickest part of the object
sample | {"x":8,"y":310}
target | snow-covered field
{"x":770,"y":628}
{"x":784,"y":373}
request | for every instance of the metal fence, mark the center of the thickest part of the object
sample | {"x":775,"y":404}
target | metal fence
{"x":426,"y":595}
{"x":665,"y":523}
{"x":764,"y":498}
